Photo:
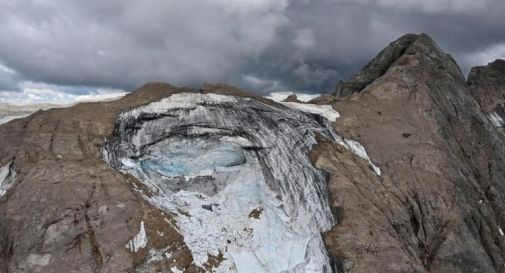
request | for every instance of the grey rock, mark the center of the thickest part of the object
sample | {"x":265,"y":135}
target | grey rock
{"x":487,"y":84}
{"x":439,"y":205}
{"x":291,"y":98}
{"x":409,"y":44}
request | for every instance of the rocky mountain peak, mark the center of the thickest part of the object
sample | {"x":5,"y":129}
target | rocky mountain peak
{"x":409,"y":49}
{"x":487,"y":84}
{"x":414,"y":98}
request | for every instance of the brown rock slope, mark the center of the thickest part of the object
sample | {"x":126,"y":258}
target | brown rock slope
{"x":438,"y":205}
{"x":68,"y":211}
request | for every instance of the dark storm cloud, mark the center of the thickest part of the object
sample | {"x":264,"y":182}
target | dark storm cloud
{"x":8,"y":79}
{"x":263,"y":45}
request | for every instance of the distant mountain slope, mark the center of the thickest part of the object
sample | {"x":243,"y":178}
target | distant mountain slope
{"x":11,"y":111}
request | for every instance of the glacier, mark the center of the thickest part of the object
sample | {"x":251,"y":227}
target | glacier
{"x":235,"y":174}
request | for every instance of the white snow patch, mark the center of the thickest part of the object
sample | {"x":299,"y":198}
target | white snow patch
{"x":7,"y":177}
{"x":280,"y":96}
{"x":496,"y":119}
{"x":236,"y":140}
{"x":356,"y":148}
{"x":159,"y":254}
{"x":139,"y":241}
{"x":176,"y":270}
{"x":501,"y":232}
{"x":360,"y":151}
{"x":179,"y":101}
{"x":322,"y":110}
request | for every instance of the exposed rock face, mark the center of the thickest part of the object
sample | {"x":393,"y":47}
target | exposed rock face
{"x":487,"y":84}
{"x":378,"y":66}
{"x":67,"y":210}
{"x":178,"y":180}
{"x":291,"y":98}
{"x":438,"y":206}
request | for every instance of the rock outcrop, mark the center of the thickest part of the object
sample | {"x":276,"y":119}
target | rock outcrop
{"x":487,"y":84}
{"x":67,"y":210}
{"x":291,"y":98}
{"x":439,"y":205}
{"x":408,"y":176}
{"x":380,"y":64}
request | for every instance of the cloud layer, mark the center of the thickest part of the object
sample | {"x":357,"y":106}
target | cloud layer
{"x":261,"y":45}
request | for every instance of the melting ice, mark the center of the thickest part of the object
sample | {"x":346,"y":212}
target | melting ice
{"x":235,"y":174}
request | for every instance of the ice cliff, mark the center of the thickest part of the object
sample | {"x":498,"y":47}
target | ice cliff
{"x":236,"y":174}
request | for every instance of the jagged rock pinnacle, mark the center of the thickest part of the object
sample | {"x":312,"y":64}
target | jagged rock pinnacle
{"x":428,"y":54}
{"x":487,"y":84}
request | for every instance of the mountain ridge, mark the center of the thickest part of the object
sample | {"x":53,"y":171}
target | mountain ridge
{"x":437,"y":204}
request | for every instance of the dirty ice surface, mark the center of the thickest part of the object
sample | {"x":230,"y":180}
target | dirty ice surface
{"x":236,"y":175}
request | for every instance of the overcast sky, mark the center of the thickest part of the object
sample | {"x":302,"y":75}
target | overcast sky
{"x":51,"y":48}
